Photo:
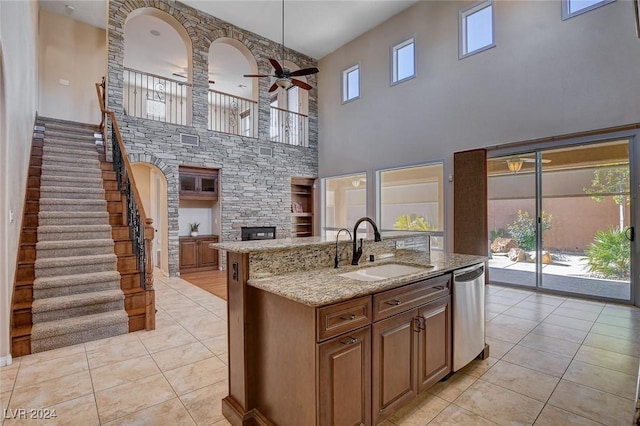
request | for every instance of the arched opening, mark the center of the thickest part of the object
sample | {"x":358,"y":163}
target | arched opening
{"x":289,"y":117}
{"x":157,"y":67}
{"x":233,"y":106}
{"x":152,"y":186}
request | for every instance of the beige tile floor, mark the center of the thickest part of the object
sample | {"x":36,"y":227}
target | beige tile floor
{"x":554,"y":361}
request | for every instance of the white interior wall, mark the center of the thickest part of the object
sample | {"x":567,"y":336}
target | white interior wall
{"x":201,"y":212}
{"x":73,"y":57}
{"x":18,"y":103}
{"x":545,"y":77}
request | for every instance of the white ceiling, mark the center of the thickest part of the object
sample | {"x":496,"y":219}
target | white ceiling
{"x":312,"y":27}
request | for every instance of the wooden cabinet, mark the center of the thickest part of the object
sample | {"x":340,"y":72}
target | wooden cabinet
{"x":344,"y":374}
{"x":394,"y":363}
{"x":350,"y":363}
{"x":434,"y":342}
{"x":198,"y":183}
{"x":411,"y":345}
{"x":196,"y":255}
{"x":301,"y":207}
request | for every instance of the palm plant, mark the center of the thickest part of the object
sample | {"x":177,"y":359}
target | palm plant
{"x":609,"y":254}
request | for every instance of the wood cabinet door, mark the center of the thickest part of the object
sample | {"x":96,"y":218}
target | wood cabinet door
{"x":434,"y":342}
{"x":209,"y":185}
{"x":394,"y":363}
{"x":345,"y":379}
{"x":206,"y":255}
{"x":188,"y":254}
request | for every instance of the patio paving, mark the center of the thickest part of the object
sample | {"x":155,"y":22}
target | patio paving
{"x":566,"y":275}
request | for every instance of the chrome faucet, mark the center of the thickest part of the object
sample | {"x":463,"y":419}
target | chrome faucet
{"x":357,"y":251}
{"x":336,"y":261}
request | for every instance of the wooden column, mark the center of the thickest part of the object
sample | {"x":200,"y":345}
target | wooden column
{"x":238,"y":406}
{"x":470,"y":225}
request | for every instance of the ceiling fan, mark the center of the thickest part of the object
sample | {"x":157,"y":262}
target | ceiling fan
{"x":282,"y":74}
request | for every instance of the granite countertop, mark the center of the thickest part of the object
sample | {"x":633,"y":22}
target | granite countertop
{"x":325,"y":286}
{"x":304,"y":242}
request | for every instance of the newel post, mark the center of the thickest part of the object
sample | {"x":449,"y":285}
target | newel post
{"x":150,"y":304}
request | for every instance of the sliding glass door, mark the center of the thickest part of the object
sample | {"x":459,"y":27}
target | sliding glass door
{"x":585,"y":213}
{"x":560,"y":219}
{"x":512,"y":212}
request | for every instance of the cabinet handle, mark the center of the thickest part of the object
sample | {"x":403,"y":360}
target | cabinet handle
{"x":439,"y":287}
{"x":349,"y":318}
{"x":350,"y":341}
{"x":419,"y":324}
{"x":394,"y":302}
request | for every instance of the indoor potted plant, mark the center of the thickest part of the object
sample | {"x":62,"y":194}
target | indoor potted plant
{"x":194,"y":229}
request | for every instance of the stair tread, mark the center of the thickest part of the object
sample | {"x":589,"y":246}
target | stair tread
{"x":80,"y":189}
{"x":21,"y":305}
{"x":65,"y":214}
{"x":52,"y":245}
{"x":72,"y":228}
{"x":54,"y":167}
{"x":73,"y":201}
{"x":76,"y":300}
{"x":74,"y":260}
{"x":70,"y":325}
{"x":21,"y":331}
{"x":75,"y":279}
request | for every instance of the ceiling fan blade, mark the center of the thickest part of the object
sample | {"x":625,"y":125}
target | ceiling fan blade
{"x":301,"y":84}
{"x":276,"y":66}
{"x":273,"y":87}
{"x":306,"y":71}
{"x":533,"y":160}
{"x":258,"y":75}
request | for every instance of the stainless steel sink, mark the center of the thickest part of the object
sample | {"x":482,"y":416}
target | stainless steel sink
{"x":383,"y":272}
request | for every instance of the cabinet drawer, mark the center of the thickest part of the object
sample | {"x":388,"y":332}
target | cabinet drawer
{"x":400,"y":299}
{"x":343,"y":317}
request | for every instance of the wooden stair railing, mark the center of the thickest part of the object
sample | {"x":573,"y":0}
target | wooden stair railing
{"x":131,"y":229}
{"x":22,"y":295}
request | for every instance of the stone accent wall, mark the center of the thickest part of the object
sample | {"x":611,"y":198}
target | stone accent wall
{"x":254,"y":190}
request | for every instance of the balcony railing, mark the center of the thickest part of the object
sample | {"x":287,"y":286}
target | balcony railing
{"x":232,"y":114}
{"x":156,"y":98}
{"x":289,"y":127}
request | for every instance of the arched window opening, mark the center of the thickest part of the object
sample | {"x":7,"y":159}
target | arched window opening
{"x":157,"y":68}
{"x":232,"y":98}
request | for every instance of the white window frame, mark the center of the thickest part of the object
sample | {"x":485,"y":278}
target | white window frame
{"x":378,"y":201}
{"x":323,"y":200}
{"x":394,"y":60}
{"x":345,"y":83}
{"x":566,"y":14}
{"x":462,"y":27}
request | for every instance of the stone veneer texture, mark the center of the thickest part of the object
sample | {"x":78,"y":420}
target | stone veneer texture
{"x":286,"y":261}
{"x":254,"y":190}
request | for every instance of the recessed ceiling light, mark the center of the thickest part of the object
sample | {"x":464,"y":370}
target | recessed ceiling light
{"x":155,"y":32}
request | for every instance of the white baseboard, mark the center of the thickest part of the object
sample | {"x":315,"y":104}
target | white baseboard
{"x":5,"y":360}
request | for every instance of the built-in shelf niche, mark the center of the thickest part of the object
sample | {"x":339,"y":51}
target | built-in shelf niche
{"x":302,"y":207}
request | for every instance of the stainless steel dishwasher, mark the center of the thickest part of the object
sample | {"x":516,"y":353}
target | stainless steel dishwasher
{"x":468,"y":314}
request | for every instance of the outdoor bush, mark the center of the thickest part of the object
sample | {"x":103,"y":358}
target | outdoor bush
{"x":412,"y":222}
{"x":497,"y":233}
{"x":609,"y":255}
{"x":523,"y":230}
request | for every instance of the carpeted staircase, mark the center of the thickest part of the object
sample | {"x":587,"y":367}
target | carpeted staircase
{"x":76,"y":292}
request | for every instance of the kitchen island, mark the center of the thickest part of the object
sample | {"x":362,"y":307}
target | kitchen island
{"x":309,"y":345}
